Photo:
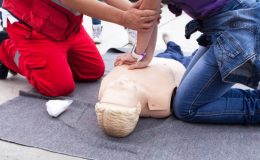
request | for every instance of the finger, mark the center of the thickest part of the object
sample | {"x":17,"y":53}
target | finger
{"x":149,"y":19}
{"x":118,"y":59}
{"x":146,"y":26}
{"x":147,"y":13}
{"x":122,"y":61}
{"x":137,"y":65}
{"x":129,"y":63}
{"x":133,"y":66}
{"x":116,"y":63}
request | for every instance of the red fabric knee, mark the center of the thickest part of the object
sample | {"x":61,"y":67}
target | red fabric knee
{"x":44,"y":63}
{"x":50,"y":73}
{"x":84,"y":58}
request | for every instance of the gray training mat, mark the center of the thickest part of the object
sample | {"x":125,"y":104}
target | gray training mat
{"x":24,"y":120}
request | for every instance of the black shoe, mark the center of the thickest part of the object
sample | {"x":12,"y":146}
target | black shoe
{"x":3,"y":36}
{"x":3,"y":69}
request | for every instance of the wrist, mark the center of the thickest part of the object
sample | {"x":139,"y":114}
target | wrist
{"x":122,"y":19}
{"x":138,"y":56}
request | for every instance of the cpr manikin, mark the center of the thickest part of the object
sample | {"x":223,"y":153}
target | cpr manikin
{"x":125,"y":95}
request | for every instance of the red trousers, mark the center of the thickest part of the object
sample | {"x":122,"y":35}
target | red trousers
{"x":50,"y":66}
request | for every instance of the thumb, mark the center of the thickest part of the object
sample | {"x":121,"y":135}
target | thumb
{"x":133,"y":66}
{"x":137,"y":65}
{"x":137,"y":4}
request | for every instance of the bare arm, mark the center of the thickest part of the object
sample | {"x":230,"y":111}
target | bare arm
{"x":151,"y":46}
{"x":96,"y":9}
{"x":144,"y":37}
{"x":146,"y":41}
{"x":149,"y":50}
{"x":131,"y":17}
{"x":122,"y":4}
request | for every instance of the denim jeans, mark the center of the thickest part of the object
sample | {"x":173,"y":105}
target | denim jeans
{"x":173,"y":51}
{"x":96,"y":21}
{"x":204,"y":97}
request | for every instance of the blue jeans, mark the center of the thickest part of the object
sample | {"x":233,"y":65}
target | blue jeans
{"x":173,"y":51}
{"x":204,"y":97}
{"x":96,"y":21}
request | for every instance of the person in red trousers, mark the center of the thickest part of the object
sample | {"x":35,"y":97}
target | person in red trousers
{"x":47,"y":43}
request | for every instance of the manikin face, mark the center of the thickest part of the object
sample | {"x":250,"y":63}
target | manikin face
{"x":123,"y":92}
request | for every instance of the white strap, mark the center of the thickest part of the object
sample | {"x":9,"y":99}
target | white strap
{"x":7,"y":15}
{"x":138,"y":57}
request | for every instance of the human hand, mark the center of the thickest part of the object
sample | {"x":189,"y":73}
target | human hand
{"x":125,"y":59}
{"x":137,"y":19}
{"x":141,"y":64}
{"x":128,"y":59}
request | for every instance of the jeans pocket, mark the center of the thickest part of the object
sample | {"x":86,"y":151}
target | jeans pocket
{"x":228,"y":45}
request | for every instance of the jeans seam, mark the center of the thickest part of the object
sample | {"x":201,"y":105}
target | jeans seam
{"x":219,"y":114}
{"x":257,"y":39}
{"x":206,"y":86}
{"x":205,"y":114}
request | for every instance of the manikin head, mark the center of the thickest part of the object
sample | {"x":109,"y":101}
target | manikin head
{"x":119,"y":108}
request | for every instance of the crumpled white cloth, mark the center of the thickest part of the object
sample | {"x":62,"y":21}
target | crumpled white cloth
{"x":57,"y":107}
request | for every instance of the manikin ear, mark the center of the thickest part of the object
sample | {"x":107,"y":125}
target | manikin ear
{"x":117,"y":121}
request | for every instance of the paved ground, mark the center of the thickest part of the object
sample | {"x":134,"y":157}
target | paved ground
{"x":113,"y":36}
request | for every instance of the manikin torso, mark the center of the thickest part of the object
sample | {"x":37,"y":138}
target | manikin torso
{"x":151,"y":87}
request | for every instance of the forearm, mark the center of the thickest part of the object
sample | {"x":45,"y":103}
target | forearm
{"x":121,"y":4}
{"x":152,"y":43}
{"x":145,"y":38}
{"x":96,"y":9}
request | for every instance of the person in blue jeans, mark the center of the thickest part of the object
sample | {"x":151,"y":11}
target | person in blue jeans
{"x":232,"y":56}
{"x":96,"y":30}
{"x":229,"y":54}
